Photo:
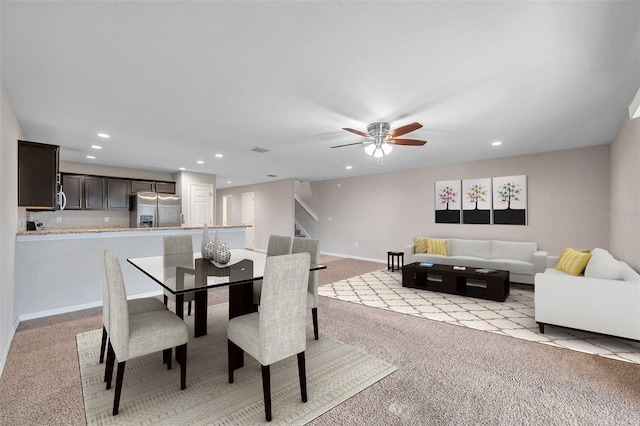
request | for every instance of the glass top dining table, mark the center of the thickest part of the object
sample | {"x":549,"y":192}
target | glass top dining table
{"x":190,"y":273}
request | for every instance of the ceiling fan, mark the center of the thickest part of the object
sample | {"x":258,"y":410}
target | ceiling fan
{"x":380,"y":139}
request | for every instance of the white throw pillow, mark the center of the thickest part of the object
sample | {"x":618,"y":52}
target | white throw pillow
{"x":603,"y":265}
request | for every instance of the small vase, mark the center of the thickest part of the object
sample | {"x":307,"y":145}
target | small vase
{"x":205,"y":240}
{"x":223,"y":255}
{"x":209,"y":251}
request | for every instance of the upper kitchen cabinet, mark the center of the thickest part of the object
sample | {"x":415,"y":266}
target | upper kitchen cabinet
{"x":143,"y":186}
{"x":94,"y":193}
{"x":151,"y":186}
{"x":72,"y":186}
{"x":117,"y":194}
{"x":38,"y":175}
{"x":166,"y":187}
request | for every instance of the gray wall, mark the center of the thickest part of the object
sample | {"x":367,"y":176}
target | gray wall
{"x":93,"y":169}
{"x":568,"y":197}
{"x":274,"y":211}
{"x":10,"y":132}
{"x":624,"y":213}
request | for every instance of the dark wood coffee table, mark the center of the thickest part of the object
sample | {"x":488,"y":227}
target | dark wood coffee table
{"x":467,"y":282}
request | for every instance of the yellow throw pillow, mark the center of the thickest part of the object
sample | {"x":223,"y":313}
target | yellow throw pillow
{"x":573,"y":261}
{"x":420,"y":245}
{"x":437,"y":247}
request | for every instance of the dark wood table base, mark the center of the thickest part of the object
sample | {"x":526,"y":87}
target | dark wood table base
{"x":468,"y":282}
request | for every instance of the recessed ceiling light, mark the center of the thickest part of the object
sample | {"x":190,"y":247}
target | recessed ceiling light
{"x":91,"y":157}
{"x":348,"y":167}
{"x":103,"y":135}
{"x":496,"y":143}
{"x":182,"y":168}
{"x":200,"y":162}
{"x":228,"y":181}
{"x":96,"y":147}
{"x":219,"y":155}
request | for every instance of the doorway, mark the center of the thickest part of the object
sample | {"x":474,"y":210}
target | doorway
{"x":200,"y":204}
{"x":248,"y":219}
{"x":227,"y":212}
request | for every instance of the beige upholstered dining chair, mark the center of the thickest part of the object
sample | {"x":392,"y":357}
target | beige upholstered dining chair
{"x":132,"y":336}
{"x":278,"y":245}
{"x":179,"y":244}
{"x":311,"y":246}
{"x":135,"y":306}
{"x":278,"y":331}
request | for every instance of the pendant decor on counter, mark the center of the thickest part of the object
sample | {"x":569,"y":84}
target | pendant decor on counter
{"x":205,"y":240}
{"x":216,"y":241}
{"x":223,"y":255}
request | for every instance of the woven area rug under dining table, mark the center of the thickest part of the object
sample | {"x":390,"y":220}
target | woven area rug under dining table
{"x":151,"y":394}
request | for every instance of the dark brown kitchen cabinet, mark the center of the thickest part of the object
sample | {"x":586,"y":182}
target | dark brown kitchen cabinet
{"x":166,"y":187}
{"x":94,"y":193}
{"x":38,"y":175}
{"x":73,"y":191}
{"x":117,"y":194}
{"x":142,"y":186}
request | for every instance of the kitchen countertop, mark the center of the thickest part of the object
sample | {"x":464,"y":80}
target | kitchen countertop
{"x":93,"y":230}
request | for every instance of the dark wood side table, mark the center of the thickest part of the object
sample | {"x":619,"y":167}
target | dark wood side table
{"x":395,"y":260}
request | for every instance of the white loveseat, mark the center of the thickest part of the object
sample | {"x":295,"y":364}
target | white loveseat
{"x":607,"y":303}
{"x":521,"y":259}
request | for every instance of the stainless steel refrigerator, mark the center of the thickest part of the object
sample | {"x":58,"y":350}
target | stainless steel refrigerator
{"x":150,"y":209}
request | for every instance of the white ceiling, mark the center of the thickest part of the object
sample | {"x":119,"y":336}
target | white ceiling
{"x":177,"y":82}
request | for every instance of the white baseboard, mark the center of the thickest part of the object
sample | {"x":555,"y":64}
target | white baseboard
{"x":368,"y":259}
{"x":3,"y":361}
{"x":58,"y":311}
{"x":74,"y":308}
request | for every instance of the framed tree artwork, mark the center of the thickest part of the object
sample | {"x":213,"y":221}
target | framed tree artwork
{"x":476,"y":201}
{"x":510,"y":200}
{"x":447,"y":201}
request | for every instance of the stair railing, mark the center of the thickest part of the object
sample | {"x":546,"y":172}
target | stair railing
{"x":304,"y":206}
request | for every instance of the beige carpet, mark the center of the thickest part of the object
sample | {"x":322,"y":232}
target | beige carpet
{"x":152,"y":395}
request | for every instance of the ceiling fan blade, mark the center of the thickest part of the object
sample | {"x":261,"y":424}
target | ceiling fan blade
{"x":348,"y":144}
{"x":403,"y":130}
{"x":411,"y":142}
{"x":357,"y":132}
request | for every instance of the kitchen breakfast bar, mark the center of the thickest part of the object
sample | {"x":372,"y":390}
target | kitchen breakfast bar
{"x":57,"y":270}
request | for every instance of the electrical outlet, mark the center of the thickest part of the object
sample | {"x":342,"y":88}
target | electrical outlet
{"x":356,"y":244}
{"x":58,"y":219}
{"x":329,"y":219}
{"x":106,"y":219}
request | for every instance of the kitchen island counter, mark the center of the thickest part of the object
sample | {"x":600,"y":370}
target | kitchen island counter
{"x":96,"y":229}
{"x":57,"y":270}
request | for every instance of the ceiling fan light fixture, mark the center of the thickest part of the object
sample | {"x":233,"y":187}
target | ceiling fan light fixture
{"x":380,"y":139}
{"x":369,"y":149}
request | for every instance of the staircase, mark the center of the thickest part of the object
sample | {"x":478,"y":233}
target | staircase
{"x":298,"y":229}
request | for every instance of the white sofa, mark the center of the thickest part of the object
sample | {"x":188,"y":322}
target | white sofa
{"x":521,"y":259}
{"x":600,"y":305}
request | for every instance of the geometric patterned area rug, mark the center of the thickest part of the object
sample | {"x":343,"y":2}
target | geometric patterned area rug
{"x":151,"y":394}
{"x":514,"y":317}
